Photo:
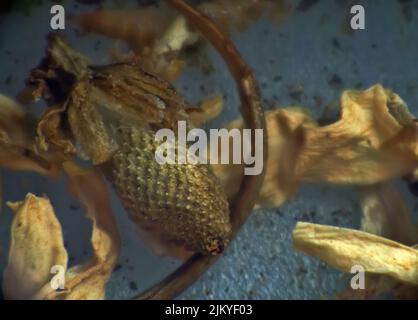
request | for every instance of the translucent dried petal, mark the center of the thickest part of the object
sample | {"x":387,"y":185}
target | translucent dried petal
{"x":375,"y":140}
{"x":36,"y":245}
{"x":344,"y":248}
{"x":286,"y":130}
{"x":88,"y":281}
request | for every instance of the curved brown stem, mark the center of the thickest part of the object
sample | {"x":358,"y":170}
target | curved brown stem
{"x":253,"y":115}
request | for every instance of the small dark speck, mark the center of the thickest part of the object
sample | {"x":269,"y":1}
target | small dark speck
{"x":263,"y":85}
{"x":8,"y":80}
{"x":133,"y":286}
{"x":301,"y":270}
{"x":90,"y":2}
{"x":335,"y":80}
{"x":74,"y":206}
{"x":296,"y":92}
{"x":279,"y":213}
{"x":305,"y":5}
{"x":202,"y":88}
{"x":407,"y":13}
{"x":318,"y":101}
{"x":117,"y":267}
{"x":305,"y":217}
{"x":374,"y":46}
{"x":97,"y":45}
{"x":277,"y":79}
{"x":336,"y":43}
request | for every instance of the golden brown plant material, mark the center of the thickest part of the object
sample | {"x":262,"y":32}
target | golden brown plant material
{"x":16,"y":141}
{"x":343,"y":248}
{"x":37,"y":244}
{"x":375,"y":141}
{"x":112,"y":112}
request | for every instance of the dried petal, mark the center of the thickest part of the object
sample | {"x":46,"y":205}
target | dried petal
{"x":88,"y":281}
{"x":36,"y":245}
{"x":343,"y":248}
{"x":375,"y":140}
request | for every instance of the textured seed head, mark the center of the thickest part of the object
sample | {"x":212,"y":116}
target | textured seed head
{"x":184,"y":203}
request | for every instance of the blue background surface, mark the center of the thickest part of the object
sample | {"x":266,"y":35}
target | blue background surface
{"x":307,"y":60}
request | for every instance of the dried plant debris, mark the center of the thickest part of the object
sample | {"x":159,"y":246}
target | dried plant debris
{"x":158,"y":45}
{"x":37,"y":245}
{"x":344,"y":248}
{"x":16,"y":143}
{"x":374,"y":141}
{"x":386,"y":214}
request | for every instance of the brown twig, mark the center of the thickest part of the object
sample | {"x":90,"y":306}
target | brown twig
{"x":253,"y":114}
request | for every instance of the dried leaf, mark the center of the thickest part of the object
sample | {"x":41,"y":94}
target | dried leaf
{"x":344,"y":248}
{"x":375,"y":140}
{"x":286,"y":130}
{"x":36,"y":244}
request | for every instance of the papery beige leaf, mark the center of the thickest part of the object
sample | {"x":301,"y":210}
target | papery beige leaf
{"x":36,"y":245}
{"x":88,"y":281}
{"x":285,"y":129}
{"x":343,"y":248}
{"x":375,"y":140}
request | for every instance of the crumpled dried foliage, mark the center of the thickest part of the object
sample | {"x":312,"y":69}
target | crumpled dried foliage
{"x":344,"y":248}
{"x":15,"y":142}
{"x":37,"y":244}
{"x":159,"y":44}
{"x":375,"y":140}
